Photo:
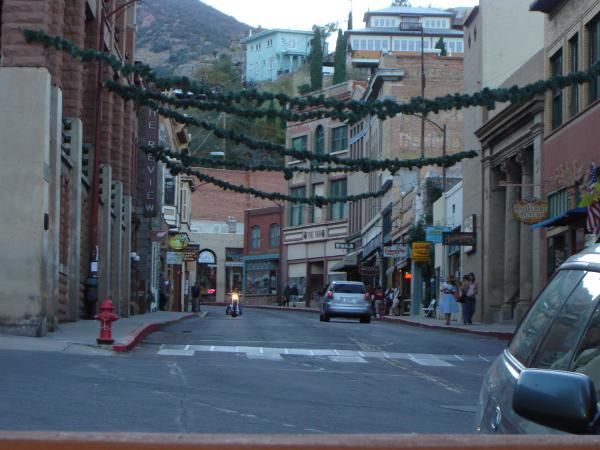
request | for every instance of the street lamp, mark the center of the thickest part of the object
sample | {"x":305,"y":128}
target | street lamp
{"x":442,"y":129}
{"x":94,"y":223}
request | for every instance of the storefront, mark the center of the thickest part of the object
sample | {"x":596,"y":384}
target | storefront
{"x":313,"y":260}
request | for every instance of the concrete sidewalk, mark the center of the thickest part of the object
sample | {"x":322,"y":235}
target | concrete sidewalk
{"x":80,"y":337}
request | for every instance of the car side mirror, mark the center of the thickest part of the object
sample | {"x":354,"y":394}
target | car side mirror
{"x":565,"y":401}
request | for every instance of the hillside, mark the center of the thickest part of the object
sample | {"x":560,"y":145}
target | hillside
{"x":178,"y":36}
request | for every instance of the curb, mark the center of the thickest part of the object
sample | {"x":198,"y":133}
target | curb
{"x":503,"y":335}
{"x":133,"y":338}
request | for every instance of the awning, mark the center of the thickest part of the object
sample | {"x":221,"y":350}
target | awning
{"x":349,"y":262}
{"x":561,"y":219}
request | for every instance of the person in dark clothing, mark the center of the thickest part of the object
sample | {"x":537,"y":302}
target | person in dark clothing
{"x":196,"y":298}
{"x":287,"y":291}
{"x":294,"y":294}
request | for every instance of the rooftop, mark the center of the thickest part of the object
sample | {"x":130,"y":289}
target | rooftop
{"x":262,"y":34}
{"x":410,"y":11}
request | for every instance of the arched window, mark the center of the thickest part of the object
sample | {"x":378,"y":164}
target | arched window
{"x":274,"y":231}
{"x":255,"y":237}
{"x":319,"y":140}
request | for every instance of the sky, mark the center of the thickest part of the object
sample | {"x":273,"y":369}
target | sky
{"x":303,"y":14}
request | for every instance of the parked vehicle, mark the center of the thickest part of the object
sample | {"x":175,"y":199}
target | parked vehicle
{"x":547,"y":379}
{"x":345,"y":299}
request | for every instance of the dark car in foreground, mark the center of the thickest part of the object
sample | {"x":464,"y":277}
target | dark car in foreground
{"x":547,"y":379}
{"x":345,"y":299}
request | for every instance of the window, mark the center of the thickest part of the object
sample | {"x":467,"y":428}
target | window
{"x":169,"y":190}
{"x":151,"y":125}
{"x":337,"y":189}
{"x":316,"y":213}
{"x":296,"y":217}
{"x":587,"y":355}
{"x":339,"y":138}
{"x":559,"y":343}
{"x":594,"y":56}
{"x":556,"y":70}
{"x":540,"y":315}
{"x":300,"y":143}
{"x":319,"y":140}
{"x":274,"y":232}
{"x":574,"y":67}
{"x":255,"y":237}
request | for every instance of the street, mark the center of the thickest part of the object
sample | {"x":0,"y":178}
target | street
{"x":268,"y":371}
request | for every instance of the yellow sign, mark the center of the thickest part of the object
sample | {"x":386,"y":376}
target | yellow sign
{"x":420,"y":251}
{"x":530,"y":211}
{"x":178,"y":242}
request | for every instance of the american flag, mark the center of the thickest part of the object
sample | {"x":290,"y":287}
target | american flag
{"x":593,"y":212}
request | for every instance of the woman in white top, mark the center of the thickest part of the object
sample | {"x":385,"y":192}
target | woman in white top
{"x":448,"y":304}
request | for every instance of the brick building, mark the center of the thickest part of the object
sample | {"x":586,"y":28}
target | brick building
{"x":262,"y":255}
{"x":56,"y":128}
{"x":217,"y":224}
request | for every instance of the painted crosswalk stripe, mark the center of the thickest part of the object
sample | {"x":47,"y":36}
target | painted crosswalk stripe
{"x":334,"y":355}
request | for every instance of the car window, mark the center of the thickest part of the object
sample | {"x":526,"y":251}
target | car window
{"x":540,"y":315}
{"x":560,"y":341}
{"x":587,"y":357}
{"x":349,"y":288}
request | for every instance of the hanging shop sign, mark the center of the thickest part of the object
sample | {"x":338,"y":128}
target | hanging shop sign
{"x":174,"y":258}
{"x":420,"y":251}
{"x":532,"y":211}
{"x":190,"y":253}
{"x":459,"y":238}
{"x":368,"y":270}
{"x":395,"y":251}
{"x":178,"y":241}
{"x":434,"y":234}
{"x":344,"y":245}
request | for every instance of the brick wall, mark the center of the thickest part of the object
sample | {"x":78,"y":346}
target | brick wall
{"x":212,"y":203}
{"x":262,"y":218}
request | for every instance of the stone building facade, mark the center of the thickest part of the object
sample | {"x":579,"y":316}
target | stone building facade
{"x":58,"y":232}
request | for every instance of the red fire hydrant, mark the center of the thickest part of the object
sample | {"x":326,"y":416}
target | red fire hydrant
{"x":106,"y":316}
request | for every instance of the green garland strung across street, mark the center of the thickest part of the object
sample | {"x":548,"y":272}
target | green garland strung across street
{"x":356,"y":164}
{"x":185,"y":102}
{"x":342,"y":110}
{"x":188,"y":160}
{"x":316,"y":200}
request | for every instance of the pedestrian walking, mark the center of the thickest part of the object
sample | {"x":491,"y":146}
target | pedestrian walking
{"x":294,"y":294}
{"x":448,"y":295}
{"x":379,"y":301}
{"x":196,"y":297}
{"x":287,"y":291}
{"x":470,"y":298}
{"x":395,"y":310}
{"x":462,"y":299}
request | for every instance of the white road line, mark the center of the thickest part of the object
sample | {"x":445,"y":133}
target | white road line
{"x":276,"y":353}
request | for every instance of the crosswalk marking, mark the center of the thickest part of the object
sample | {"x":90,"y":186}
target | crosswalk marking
{"x":334,"y":355}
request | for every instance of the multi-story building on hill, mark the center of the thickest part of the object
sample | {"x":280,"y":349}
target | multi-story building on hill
{"x":405,"y":29}
{"x":270,"y":53}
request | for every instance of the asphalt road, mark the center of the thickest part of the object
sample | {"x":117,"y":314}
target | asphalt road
{"x":268,"y":371}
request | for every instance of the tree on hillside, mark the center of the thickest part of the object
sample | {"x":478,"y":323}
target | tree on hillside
{"x":441,"y":46}
{"x":401,"y":3}
{"x":316,"y":60}
{"x":339,"y":70}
